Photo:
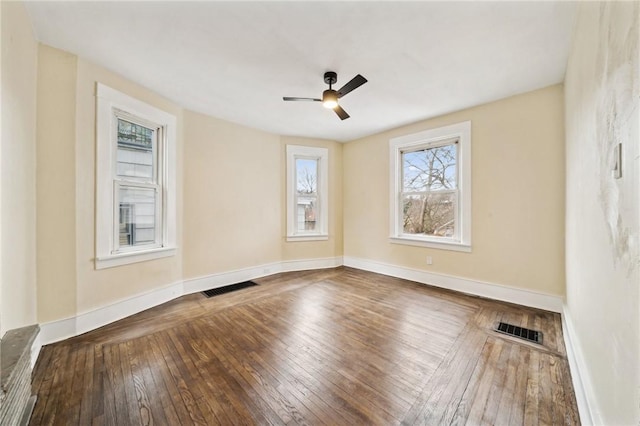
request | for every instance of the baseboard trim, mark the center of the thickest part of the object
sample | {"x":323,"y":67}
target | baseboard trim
{"x":196,"y":285}
{"x":55,"y":331}
{"x":308,"y":264}
{"x":493,"y":291}
{"x":90,"y":320}
{"x":579,"y":374}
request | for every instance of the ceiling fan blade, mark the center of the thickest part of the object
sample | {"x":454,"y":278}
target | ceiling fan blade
{"x":355,"y":82}
{"x":288,"y":98}
{"x":341,"y":113}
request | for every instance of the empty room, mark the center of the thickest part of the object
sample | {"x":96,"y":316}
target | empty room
{"x":320,"y":212}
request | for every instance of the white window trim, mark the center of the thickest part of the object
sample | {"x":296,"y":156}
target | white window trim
{"x":108,"y":102}
{"x":322,"y":155}
{"x":461,"y":132}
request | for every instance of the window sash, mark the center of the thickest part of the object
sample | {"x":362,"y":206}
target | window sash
{"x":157,"y":146}
{"x":401,"y":194}
{"x":429,"y":146}
{"x":119,"y":184}
{"x":460,"y":240}
{"x":456,"y":216}
{"x":315,"y":195}
{"x":294,"y":225}
{"x":111,"y":105}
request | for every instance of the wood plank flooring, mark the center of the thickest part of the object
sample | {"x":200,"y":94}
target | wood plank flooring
{"x":338,"y":346}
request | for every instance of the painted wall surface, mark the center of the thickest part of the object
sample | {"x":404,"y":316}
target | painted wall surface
{"x":68,"y":282}
{"x":56,"y":177}
{"x":231,"y":196}
{"x":235,"y":198}
{"x":18,"y":172}
{"x":97,"y":288}
{"x":517,"y":147}
{"x":292,"y":250}
{"x":603,"y":213}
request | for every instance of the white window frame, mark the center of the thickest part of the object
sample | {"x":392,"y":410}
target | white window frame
{"x":111,"y":105}
{"x":321,"y":155}
{"x":430,"y":139}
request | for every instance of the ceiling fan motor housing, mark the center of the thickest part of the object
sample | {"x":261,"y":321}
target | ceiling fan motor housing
{"x":330,"y":77}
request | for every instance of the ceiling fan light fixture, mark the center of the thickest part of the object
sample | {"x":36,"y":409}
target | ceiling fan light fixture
{"x":330,"y":99}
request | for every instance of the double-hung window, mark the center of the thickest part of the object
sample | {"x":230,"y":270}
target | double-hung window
{"x":135,"y":182}
{"x":431,"y":188}
{"x":307,"y":190}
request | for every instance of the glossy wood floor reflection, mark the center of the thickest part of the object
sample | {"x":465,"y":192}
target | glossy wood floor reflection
{"x":338,"y":346}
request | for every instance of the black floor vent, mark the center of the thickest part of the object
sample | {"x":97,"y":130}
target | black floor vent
{"x":228,"y":288}
{"x":520,"y":332}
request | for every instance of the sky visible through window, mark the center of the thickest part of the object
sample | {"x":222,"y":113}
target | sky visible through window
{"x":307,"y":175}
{"x":429,"y":191}
{"x":429,"y":169}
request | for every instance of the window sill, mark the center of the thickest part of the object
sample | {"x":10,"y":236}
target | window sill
{"x":314,"y":237}
{"x":134,"y":257}
{"x":442,"y":245}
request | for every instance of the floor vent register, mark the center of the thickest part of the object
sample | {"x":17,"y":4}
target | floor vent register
{"x":228,"y":288}
{"x":533,"y":336}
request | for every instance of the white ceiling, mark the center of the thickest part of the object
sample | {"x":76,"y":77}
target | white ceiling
{"x":235,"y":60}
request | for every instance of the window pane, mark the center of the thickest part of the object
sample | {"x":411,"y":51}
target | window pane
{"x":135,"y":151}
{"x":307,"y":176}
{"x":306,"y":213}
{"x":429,"y":169}
{"x":137,"y":216}
{"x":432,"y":214}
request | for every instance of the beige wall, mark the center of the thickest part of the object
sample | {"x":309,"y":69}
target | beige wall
{"x":235,"y":198}
{"x":517,"y":196}
{"x":603,"y":235}
{"x":231,"y":196}
{"x":56,"y":198}
{"x":97,"y":288}
{"x":293,"y":250}
{"x":233,"y":192}
{"x":68,"y":283}
{"x":18,"y":173}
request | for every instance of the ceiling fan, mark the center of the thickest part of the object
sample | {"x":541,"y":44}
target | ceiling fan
{"x":330,"y":97}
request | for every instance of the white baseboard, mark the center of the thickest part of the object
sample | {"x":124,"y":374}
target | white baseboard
{"x":96,"y":318}
{"x":35,"y":350}
{"x":221,"y":279}
{"x":308,"y":264}
{"x":239,"y":275}
{"x":55,"y":331}
{"x":493,"y":291}
{"x":90,"y":320}
{"x":585,"y":396}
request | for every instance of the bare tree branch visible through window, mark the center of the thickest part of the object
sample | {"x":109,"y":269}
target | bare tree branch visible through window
{"x":429,"y":190}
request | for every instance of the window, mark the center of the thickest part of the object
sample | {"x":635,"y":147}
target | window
{"x":135,"y":180}
{"x":307,"y":188}
{"x":431,"y":188}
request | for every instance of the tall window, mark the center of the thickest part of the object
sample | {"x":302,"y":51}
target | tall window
{"x":307,"y":188}
{"x":135,"y":184}
{"x":431,"y":188}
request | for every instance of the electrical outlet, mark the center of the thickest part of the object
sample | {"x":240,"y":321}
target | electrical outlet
{"x":429,"y":260}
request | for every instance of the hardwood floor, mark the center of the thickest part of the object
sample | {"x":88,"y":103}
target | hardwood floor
{"x":338,"y":346}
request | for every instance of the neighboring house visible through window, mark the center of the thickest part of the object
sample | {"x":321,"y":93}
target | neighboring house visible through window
{"x":135,"y":184}
{"x":307,"y":189}
{"x":431,"y":188}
